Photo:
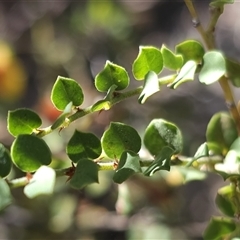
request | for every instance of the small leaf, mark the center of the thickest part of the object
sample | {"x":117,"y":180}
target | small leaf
{"x":221,"y":131}
{"x":101,"y":105}
{"x":118,"y":138}
{"x":112,"y":74}
{"x":86,"y":173}
{"x":191,"y":174}
{"x":224,"y":201}
{"x":191,"y":50}
{"x":233,"y":72}
{"x":148,"y":59}
{"x":218,"y":228}
{"x":83,"y":145}
{"x":128,"y":165}
{"x":160,"y":134}
{"x":5,"y":194}
{"x":214,"y":67}
{"x":64,"y":91}
{"x":5,"y":161}
{"x":43,"y":182}
{"x":171,"y":60}
{"x":186,"y":73}
{"x":161,"y":162}
{"x":151,"y":86}
{"x":23,"y":121}
{"x":220,"y":3}
{"x":30,"y":152}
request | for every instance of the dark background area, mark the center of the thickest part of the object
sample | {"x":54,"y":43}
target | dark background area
{"x":40,"y":40}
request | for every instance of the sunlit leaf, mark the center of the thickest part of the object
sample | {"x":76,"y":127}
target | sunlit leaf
{"x":129,"y":164}
{"x":214,"y":67}
{"x":118,"y":138}
{"x":5,"y":161}
{"x":161,"y":133}
{"x":186,"y":73}
{"x":171,"y":60}
{"x":43,"y":182}
{"x":30,"y":152}
{"x":83,"y":145}
{"x":191,"y":50}
{"x":23,"y":121}
{"x":148,"y":59}
{"x":64,"y":91}
{"x":151,"y":86}
{"x":86,"y":173}
{"x":112,"y":74}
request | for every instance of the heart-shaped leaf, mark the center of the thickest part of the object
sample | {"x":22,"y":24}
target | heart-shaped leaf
{"x":22,"y":121}
{"x":64,"y":91}
{"x":148,"y":59}
{"x":112,"y":74}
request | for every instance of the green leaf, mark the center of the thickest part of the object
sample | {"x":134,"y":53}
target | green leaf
{"x":191,"y":50}
{"x":128,"y":165}
{"x":161,"y":162}
{"x":220,"y":3}
{"x":233,"y":72}
{"x":221,"y":131}
{"x":160,"y":134}
{"x":5,"y":194}
{"x":171,"y":60}
{"x":112,"y":74}
{"x":151,"y":86}
{"x":86,"y":173}
{"x":118,"y":138}
{"x":186,"y":73}
{"x":214,"y":67}
{"x":64,"y":91}
{"x":5,"y":161}
{"x":219,"y":227}
{"x":42,"y":183}
{"x":224,"y":201}
{"x":191,"y":174}
{"x":30,"y":152}
{"x":148,"y":59}
{"x":83,"y":145}
{"x":22,"y":121}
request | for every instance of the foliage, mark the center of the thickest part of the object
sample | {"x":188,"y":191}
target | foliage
{"x":119,"y":147}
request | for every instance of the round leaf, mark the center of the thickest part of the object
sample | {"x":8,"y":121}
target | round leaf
{"x":83,"y":145}
{"x":214,"y":67}
{"x":160,"y":134}
{"x":148,"y":59}
{"x":22,"y":121}
{"x":233,"y":72}
{"x":112,"y":74}
{"x":43,"y":182}
{"x":128,"y":165}
{"x":221,"y":131}
{"x":86,"y":173}
{"x":64,"y":91}
{"x":119,"y":138}
{"x":171,"y":60}
{"x":5,"y":162}
{"x":190,"y":50}
{"x":30,"y":152}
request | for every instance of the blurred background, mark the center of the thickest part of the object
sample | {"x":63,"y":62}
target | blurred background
{"x":40,"y":40}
